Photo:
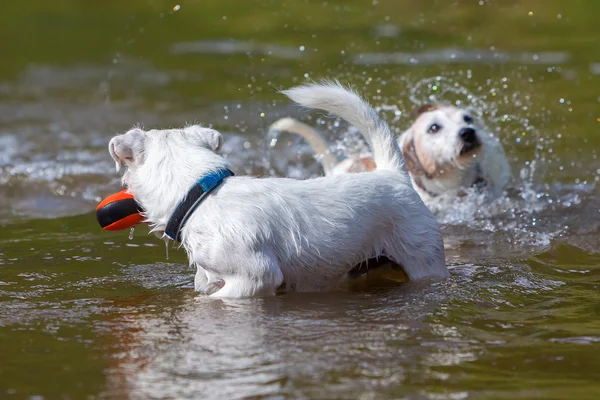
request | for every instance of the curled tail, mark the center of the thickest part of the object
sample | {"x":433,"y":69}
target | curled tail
{"x":345,"y":103}
{"x":315,"y":138}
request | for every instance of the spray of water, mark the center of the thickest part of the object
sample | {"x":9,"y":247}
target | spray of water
{"x":519,"y":213}
{"x":166,"y":239}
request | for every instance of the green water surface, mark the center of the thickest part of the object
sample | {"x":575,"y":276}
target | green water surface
{"x":90,"y":314}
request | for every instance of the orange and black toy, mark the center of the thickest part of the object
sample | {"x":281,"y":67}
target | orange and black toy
{"x":119,"y":211}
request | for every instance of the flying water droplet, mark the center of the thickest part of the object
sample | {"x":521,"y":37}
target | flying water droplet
{"x":167,"y":247}
{"x":131,"y":233}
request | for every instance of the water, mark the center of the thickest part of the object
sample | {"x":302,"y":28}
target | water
{"x":87,"y":314}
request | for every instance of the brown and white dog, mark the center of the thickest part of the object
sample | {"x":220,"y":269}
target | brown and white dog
{"x":444,"y":153}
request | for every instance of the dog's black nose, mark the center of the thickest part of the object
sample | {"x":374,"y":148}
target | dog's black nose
{"x":468,"y":135}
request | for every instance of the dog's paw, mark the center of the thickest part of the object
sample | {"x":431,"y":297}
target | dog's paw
{"x":211,"y":287}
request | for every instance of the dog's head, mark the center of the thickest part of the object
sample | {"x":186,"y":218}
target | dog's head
{"x":442,"y":143}
{"x":162,"y":165}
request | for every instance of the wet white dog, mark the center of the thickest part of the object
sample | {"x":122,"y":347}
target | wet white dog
{"x":249,"y":236}
{"x":444,"y":152}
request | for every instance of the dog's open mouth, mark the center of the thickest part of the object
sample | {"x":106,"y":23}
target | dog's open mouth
{"x":470,"y":147}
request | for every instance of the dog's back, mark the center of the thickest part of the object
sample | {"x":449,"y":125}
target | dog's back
{"x":320,"y":228}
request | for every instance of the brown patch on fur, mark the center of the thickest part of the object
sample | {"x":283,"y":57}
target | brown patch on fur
{"x":413,"y":164}
{"x":362,"y":164}
{"x":368,"y":163}
{"x":420,"y":164}
{"x":426,"y":108}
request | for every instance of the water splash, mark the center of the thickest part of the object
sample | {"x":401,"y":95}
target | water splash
{"x":523,"y":215}
{"x":166,"y":239}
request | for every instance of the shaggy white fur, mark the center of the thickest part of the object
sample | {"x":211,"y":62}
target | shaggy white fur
{"x":251,"y":235}
{"x":444,"y":150}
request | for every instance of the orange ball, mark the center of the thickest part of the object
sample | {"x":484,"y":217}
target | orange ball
{"x":119,"y":211}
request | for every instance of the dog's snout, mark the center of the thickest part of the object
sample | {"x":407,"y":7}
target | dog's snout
{"x":468,"y":135}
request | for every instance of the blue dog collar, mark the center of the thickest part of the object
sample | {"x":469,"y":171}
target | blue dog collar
{"x":192,"y":200}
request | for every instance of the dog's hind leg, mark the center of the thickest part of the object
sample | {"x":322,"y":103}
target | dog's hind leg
{"x":425,"y":268}
{"x":261,"y":276}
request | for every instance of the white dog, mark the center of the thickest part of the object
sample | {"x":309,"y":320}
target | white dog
{"x":443,"y":149}
{"x":249,"y":236}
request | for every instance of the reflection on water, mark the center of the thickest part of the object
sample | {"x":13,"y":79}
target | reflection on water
{"x":237,"y":47}
{"x":95,"y":314}
{"x":188,"y":347}
{"x":457,"y":56}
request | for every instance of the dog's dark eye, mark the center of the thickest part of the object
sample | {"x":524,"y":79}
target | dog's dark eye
{"x":434,"y":128}
{"x":468,"y":119}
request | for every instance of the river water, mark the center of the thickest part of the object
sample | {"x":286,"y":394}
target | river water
{"x":90,"y":314}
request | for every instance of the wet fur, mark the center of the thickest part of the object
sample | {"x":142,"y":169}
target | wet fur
{"x":250,"y":235}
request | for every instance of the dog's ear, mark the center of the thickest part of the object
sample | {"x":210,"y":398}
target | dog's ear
{"x":214,"y":140}
{"x":127,"y":148}
{"x":205,"y":137}
{"x":413,"y":165}
{"x":426,"y":108}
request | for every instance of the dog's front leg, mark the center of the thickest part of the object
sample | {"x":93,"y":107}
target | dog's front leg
{"x":205,"y":282}
{"x":259,"y":275}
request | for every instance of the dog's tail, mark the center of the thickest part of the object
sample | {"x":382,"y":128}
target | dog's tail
{"x":315,"y":138}
{"x":345,"y":103}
